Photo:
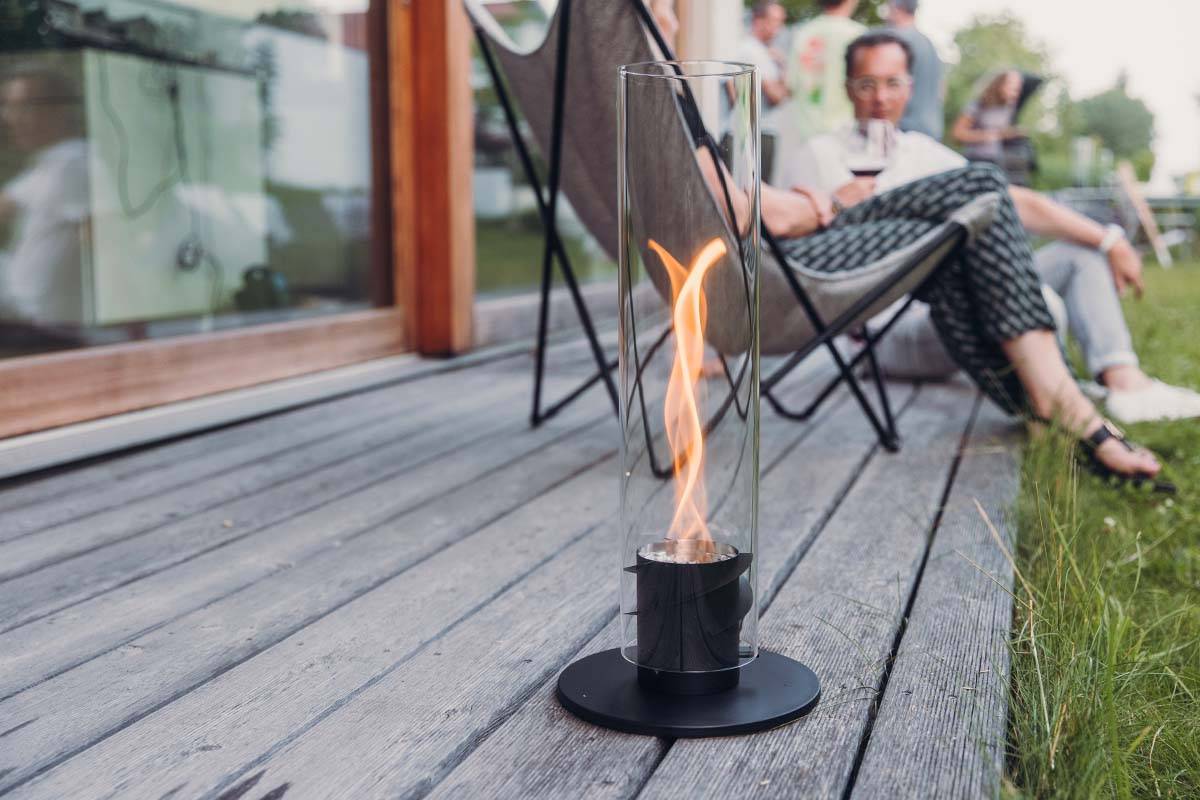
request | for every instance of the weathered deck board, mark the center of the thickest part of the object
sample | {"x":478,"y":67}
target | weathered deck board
{"x":839,"y":613}
{"x":367,"y":547}
{"x":48,"y":646}
{"x":282,"y":462}
{"x":580,"y":760}
{"x":65,"y":495}
{"x":392,"y":623}
{"x":940,"y":728}
{"x":560,"y":517}
{"x":284,"y":688}
{"x":360,"y":461}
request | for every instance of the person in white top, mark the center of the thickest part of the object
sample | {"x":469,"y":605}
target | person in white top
{"x":766,"y":20}
{"x":1083,"y":272}
{"x":46,"y":206}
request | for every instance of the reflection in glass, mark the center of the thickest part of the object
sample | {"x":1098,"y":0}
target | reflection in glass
{"x":173,"y":167}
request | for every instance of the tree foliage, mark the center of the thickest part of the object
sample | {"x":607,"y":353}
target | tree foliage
{"x":989,"y":43}
{"x":1122,"y":123}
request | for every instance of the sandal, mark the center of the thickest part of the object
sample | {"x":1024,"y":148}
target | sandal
{"x":1140,"y":480}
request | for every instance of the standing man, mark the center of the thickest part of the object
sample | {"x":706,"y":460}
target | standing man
{"x":924,"y":112}
{"x":767,"y":18}
{"x":816,"y":73}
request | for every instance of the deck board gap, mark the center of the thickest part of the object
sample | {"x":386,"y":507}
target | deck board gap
{"x":881,"y":689}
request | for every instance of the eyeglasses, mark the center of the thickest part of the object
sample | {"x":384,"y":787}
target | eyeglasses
{"x":866,"y":87}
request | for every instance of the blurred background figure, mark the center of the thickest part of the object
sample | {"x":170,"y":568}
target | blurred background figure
{"x":45,"y":206}
{"x":924,"y":112}
{"x":767,"y":19}
{"x":816,"y":71}
{"x":664,"y":17}
{"x":987,"y":127}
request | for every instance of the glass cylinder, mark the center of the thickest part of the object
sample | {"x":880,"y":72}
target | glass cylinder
{"x":689,"y":265}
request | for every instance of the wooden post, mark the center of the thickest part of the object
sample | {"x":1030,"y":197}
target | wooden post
{"x":708,"y":28}
{"x":432,"y":164}
{"x":1127,"y":180}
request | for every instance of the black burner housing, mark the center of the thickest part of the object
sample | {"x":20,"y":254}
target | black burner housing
{"x":689,"y":616}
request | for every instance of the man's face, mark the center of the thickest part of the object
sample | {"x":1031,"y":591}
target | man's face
{"x":766,"y":27}
{"x":880,"y":84}
{"x":31,"y":118}
{"x":771,"y":22}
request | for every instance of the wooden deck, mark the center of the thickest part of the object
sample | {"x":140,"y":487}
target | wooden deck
{"x":373,"y":596}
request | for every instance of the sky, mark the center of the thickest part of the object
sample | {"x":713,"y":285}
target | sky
{"x":1091,"y":41}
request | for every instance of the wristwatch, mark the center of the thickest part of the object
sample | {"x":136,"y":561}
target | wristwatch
{"x":1112,"y":235}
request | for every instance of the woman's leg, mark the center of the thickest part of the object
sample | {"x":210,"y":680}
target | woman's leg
{"x":987,"y":294}
{"x":986,"y":303}
{"x":1053,"y":393}
{"x":1083,"y":280}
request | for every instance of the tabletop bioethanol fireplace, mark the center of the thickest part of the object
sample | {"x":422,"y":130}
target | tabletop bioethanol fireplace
{"x":689,"y":663}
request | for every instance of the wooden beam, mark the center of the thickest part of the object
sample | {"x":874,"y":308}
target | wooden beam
{"x":439,"y":127}
{"x":45,"y":391}
{"x":402,"y":127}
{"x":384,"y":283}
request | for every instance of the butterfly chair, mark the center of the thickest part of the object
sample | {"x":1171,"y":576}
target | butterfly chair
{"x":566,"y":89}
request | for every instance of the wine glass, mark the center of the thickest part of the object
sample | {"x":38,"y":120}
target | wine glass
{"x":868,"y":147}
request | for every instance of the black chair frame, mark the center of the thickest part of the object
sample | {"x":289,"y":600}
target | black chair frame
{"x":546,"y":198}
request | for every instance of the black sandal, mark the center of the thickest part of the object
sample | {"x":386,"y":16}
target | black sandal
{"x":1139,"y":480}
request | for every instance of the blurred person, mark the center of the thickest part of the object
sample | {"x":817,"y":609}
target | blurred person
{"x":815,"y":72}
{"x":924,"y":111}
{"x":989,"y":120}
{"x":663,"y":12}
{"x":47,"y":205}
{"x":986,"y":300}
{"x":1085,"y":269}
{"x":767,"y":18}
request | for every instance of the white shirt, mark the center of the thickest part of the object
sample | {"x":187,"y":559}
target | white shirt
{"x":40,"y":279}
{"x":912,"y":349}
{"x":820,"y":162}
{"x":752,"y":51}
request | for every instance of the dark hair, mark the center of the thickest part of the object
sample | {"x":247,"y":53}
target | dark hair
{"x":831,"y":3}
{"x":760,"y":8}
{"x":990,"y":96}
{"x":876,"y":39}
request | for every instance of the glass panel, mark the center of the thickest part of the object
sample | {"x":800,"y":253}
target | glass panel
{"x":507,"y":225}
{"x":689,"y":359}
{"x":178,"y":166}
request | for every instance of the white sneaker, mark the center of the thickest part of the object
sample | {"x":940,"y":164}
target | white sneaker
{"x":1158,"y":401}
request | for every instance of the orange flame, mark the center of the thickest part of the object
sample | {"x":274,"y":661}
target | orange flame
{"x":685,"y":432}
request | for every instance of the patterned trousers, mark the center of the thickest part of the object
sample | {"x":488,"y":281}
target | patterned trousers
{"x":987,"y":293}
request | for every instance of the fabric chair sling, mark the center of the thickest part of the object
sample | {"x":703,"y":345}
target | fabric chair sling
{"x":802,"y":309}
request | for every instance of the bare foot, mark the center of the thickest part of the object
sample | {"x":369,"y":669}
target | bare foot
{"x":1113,"y":454}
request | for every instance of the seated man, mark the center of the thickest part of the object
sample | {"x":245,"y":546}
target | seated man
{"x":1088,"y":265}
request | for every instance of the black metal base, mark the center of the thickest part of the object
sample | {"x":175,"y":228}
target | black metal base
{"x":772,"y":690}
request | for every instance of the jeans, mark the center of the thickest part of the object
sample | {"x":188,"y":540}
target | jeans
{"x":1081,"y":277}
{"x":1078,"y":278}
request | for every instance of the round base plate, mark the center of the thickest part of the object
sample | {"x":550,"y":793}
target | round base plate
{"x":603,"y":689}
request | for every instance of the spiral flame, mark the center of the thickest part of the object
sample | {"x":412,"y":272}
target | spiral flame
{"x":681,"y":410}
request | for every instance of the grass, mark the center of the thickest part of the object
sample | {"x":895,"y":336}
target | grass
{"x":509,"y":254}
{"x":1106,"y":670}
